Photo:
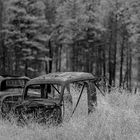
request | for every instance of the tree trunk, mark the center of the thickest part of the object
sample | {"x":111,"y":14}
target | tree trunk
{"x":26,"y":68}
{"x":130,"y":70}
{"x":50,"y":56}
{"x":69,"y":57}
{"x":73,"y":57}
{"x":2,"y":48}
{"x":115,"y":26}
{"x":127,"y":69}
{"x":110,"y":61}
{"x":121,"y":61}
{"x":4,"y":52}
{"x":59,"y":60}
{"x":104,"y":62}
{"x":114,"y":62}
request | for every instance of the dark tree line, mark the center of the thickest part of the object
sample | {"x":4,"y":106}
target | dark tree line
{"x":42,"y":36}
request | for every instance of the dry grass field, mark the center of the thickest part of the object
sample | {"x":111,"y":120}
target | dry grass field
{"x":117,"y":118}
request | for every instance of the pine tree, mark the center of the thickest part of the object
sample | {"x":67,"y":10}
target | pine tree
{"x":26,"y":34}
{"x":78,"y":29}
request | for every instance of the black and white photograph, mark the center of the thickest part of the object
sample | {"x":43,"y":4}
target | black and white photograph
{"x":69,"y":69}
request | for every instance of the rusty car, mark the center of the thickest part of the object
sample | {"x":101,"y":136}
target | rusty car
{"x":11,"y":85}
{"x":43,"y":98}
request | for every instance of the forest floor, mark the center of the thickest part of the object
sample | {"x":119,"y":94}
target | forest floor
{"x":117,"y":118}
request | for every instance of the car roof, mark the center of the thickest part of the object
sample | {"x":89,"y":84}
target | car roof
{"x":61,"y":78}
{"x":8,"y":75}
{"x":13,"y":78}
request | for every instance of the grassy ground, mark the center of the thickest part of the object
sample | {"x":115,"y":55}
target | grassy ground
{"x":117,"y":118}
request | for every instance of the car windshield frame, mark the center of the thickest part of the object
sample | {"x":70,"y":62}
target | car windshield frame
{"x":60,"y":92}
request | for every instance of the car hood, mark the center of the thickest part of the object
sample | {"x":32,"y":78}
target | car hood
{"x":46,"y":102}
{"x":6,"y":93}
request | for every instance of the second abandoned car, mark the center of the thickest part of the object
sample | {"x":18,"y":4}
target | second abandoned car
{"x":11,"y":85}
{"x":43,"y":98}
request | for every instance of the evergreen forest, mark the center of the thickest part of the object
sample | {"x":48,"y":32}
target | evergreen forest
{"x":97,"y":36}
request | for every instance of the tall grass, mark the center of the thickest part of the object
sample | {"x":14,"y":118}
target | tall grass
{"x":117,"y":117}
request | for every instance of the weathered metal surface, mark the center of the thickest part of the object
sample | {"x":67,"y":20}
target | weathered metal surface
{"x":62,"y":78}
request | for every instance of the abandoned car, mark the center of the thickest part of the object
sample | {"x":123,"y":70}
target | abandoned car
{"x":44,"y":98}
{"x":11,"y":85}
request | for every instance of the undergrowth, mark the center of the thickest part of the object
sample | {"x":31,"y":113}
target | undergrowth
{"x":117,"y":117}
